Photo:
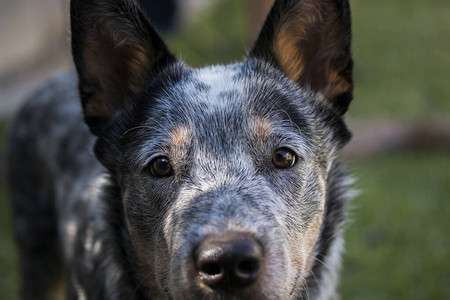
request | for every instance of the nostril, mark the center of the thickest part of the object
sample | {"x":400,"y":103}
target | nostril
{"x":210,"y":268}
{"x":248,"y":267}
{"x":247,"y":271}
{"x":211,"y":274}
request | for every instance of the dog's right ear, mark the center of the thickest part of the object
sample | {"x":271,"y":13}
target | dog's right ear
{"x":116,"y":52}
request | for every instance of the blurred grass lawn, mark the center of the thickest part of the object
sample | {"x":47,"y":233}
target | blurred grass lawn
{"x":398,"y":242}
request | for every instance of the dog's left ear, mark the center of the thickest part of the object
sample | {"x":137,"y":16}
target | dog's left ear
{"x":310,"y":41}
{"x":116,"y":52}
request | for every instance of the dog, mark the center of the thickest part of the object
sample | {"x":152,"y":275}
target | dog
{"x":221,"y":182}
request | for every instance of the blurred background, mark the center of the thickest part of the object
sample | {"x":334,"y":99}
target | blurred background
{"x":398,"y":241}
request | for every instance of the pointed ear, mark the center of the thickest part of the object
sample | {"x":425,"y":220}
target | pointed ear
{"x":116,"y":52}
{"x":310,"y":41}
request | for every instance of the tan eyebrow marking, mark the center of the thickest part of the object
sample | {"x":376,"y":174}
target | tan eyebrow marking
{"x":261,"y":126}
{"x":179,"y":135}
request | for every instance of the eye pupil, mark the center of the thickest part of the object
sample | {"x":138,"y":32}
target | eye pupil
{"x":161,"y":166}
{"x":283,"y":158}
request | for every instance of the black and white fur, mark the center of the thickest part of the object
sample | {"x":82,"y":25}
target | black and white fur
{"x":103,"y":224}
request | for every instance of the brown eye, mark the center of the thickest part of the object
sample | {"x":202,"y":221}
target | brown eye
{"x":283,"y":158}
{"x":161,"y":167}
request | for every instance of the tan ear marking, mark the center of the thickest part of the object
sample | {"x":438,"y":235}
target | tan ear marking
{"x":288,"y":56}
{"x":307,"y":42}
{"x":139,"y":66}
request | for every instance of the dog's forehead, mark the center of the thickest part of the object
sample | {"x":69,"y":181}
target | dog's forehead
{"x":237,"y":99}
{"x":237,"y":88}
{"x":219,"y":80}
{"x":216,"y":108}
{"x":232,"y":96}
{"x":211,"y":91}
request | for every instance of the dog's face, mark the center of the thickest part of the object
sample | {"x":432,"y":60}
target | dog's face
{"x":226,"y":150}
{"x":223,"y":169}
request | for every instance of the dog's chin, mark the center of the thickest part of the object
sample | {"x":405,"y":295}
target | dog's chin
{"x":254,"y":293}
{"x":262,"y":290}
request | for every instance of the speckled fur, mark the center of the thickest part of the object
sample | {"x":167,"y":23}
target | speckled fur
{"x":99,"y":219}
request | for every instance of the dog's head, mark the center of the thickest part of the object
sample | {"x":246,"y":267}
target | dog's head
{"x":223,"y":170}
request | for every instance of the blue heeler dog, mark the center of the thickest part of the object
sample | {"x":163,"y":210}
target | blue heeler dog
{"x":214,"y":183}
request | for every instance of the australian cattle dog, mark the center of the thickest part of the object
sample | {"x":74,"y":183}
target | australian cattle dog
{"x":171,"y":182}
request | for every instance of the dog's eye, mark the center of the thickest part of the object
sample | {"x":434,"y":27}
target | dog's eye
{"x":161,"y":167}
{"x":283,"y":158}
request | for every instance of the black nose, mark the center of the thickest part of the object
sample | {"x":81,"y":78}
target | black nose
{"x":229,"y":261}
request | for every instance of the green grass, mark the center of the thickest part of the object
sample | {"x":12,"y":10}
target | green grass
{"x":217,"y":36}
{"x":8,"y":254}
{"x":402,"y":62}
{"x":398,"y":244}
